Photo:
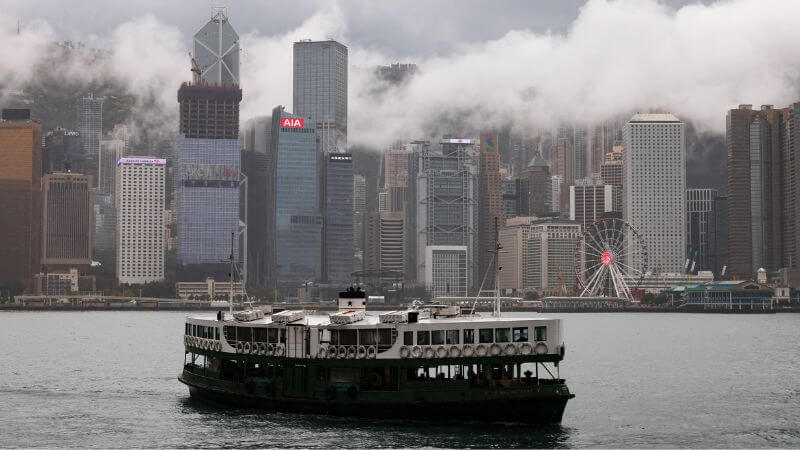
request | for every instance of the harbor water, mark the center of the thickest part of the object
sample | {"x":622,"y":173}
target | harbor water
{"x":108,"y":379}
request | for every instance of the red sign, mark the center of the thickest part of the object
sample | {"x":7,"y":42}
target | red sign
{"x":606,"y":258}
{"x":292,"y":122}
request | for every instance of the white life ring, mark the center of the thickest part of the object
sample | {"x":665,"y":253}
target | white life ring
{"x":372,"y":351}
{"x":332,"y":352}
{"x":270,"y":349}
{"x":219,"y":346}
{"x":416,"y":351}
{"x":540,"y":348}
{"x":351,"y":351}
{"x":247,"y":348}
{"x":405,"y":352}
{"x":511,"y":350}
{"x":455,"y":352}
{"x":429,"y":353}
{"x":481,"y":350}
{"x":525,"y":349}
{"x":361,"y":352}
{"x":206,"y":344}
{"x":322,"y":353}
{"x":496,"y":350}
{"x":441,"y":352}
{"x":240,"y":347}
{"x":278,"y":350}
{"x":341,"y":352}
{"x":202,"y":344}
{"x":262,"y":348}
{"x":468,"y":351}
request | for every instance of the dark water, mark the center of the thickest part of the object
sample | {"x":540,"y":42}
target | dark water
{"x":108,"y":379}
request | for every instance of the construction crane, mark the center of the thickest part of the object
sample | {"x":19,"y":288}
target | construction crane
{"x":195,"y":69}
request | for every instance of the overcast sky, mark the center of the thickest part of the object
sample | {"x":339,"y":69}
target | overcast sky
{"x":403,"y":29}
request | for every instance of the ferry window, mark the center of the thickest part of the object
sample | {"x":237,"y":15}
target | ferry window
{"x":260,"y":334}
{"x":486,"y":335}
{"x":408,"y":338}
{"x":385,"y":337}
{"x":272,"y":335}
{"x":203,"y":332}
{"x":437,"y":337}
{"x":367,"y":337}
{"x":186,"y":329}
{"x":502,"y":335}
{"x":348,"y":337}
{"x":244,"y":334}
{"x":423,"y":338}
{"x":230,"y":334}
{"x":334,"y":337}
{"x":216,"y":333}
{"x":452,"y":336}
{"x":283,"y":336}
{"x":520,"y":334}
{"x":540,"y":333}
{"x":194,"y":330}
{"x":469,"y":336}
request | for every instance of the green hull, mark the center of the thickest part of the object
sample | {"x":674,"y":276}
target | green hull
{"x":428,"y":400}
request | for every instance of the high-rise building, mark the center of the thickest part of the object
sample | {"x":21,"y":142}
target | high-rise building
{"x":20,"y":197}
{"x":556,"y":185}
{"x":701,"y":229}
{"x":338,"y":248}
{"x":111,"y":150}
{"x":396,"y":73}
{"x":67,"y":221}
{"x":395,"y":175}
{"x":320,"y":90}
{"x":588,"y":201}
{"x":258,"y":210}
{"x":536,"y":194}
{"x":209,"y":156}
{"x":298,"y":222}
{"x":611,"y":174}
{"x":655,"y":189}
{"x":447,"y":272}
{"x":63,"y":152}
{"x":549,"y":260}
{"x":90,"y":129}
{"x":445,"y":208}
{"x":514,"y":239}
{"x":490,"y":205}
{"x":359,"y":216}
{"x":104,"y":213}
{"x":140,"y":220}
{"x":385,"y":243}
{"x":718,"y":248}
{"x":511,"y":197}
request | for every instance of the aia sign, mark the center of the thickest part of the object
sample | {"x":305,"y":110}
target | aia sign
{"x":292,"y":122}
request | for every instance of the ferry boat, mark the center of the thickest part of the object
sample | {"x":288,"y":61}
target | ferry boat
{"x":426,"y":362}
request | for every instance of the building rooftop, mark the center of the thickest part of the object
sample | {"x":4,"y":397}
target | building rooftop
{"x":654,"y":118}
{"x":537,"y":161}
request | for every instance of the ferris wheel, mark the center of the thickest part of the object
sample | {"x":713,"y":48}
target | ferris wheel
{"x":610,"y":259}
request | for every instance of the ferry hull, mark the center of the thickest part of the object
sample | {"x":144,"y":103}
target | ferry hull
{"x":543,"y":404}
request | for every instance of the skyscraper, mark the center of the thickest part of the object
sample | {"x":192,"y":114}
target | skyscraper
{"x":209,"y":155}
{"x":298,"y":222}
{"x":20,"y":196}
{"x":258,"y":210}
{"x":490,"y":204}
{"x":338,"y":218}
{"x":90,"y":129}
{"x":536,"y":192}
{"x":395,"y":176}
{"x":63,"y":152}
{"x":140,"y":220}
{"x":655,"y":188}
{"x":359,"y":216}
{"x":548,"y":261}
{"x":701,"y":228}
{"x":385,"y":245}
{"x":67,"y":225}
{"x":588,"y":201}
{"x":445,"y":208}
{"x":320,"y":90}
{"x":111,"y":150}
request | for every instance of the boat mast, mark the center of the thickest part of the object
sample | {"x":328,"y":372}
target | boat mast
{"x":230,"y":279}
{"x":497,"y":268}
